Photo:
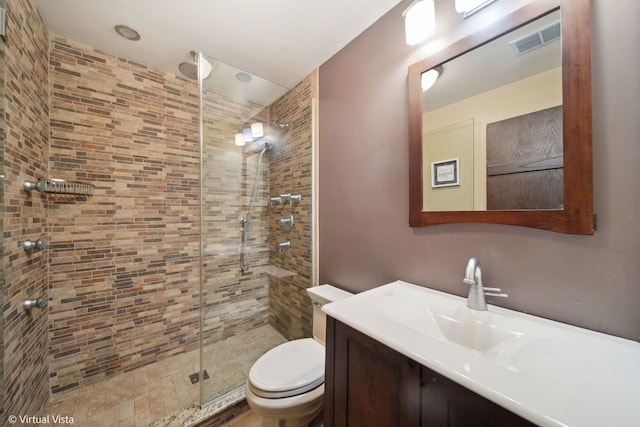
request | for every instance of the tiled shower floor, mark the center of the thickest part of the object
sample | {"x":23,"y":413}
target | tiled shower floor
{"x":151,"y":394}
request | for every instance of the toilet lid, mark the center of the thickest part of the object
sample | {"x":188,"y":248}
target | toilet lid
{"x":289,"y":369}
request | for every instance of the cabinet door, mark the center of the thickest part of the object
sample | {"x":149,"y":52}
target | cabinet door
{"x":367,"y":383}
{"x":446,"y":403}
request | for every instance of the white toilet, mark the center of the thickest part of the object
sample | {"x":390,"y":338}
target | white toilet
{"x":286,"y":384}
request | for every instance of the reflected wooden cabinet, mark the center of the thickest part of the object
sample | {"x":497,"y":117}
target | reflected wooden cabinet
{"x":369,"y":384}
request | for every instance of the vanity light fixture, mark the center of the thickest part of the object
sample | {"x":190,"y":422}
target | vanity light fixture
{"x":419,"y":21}
{"x":469,"y":7}
{"x":239,"y":139}
{"x":429,"y":77}
{"x":246,"y":134}
{"x":256,"y":130}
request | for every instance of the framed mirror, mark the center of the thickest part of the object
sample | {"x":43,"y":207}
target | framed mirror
{"x":504,"y":134}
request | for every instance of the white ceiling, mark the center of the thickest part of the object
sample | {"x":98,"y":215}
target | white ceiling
{"x":282,"y":41}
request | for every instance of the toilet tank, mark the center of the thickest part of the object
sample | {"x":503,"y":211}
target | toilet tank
{"x":321,"y":295}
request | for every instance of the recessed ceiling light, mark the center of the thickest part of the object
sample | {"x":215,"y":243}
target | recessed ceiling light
{"x":127,"y":32}
{"x":243,"y":77}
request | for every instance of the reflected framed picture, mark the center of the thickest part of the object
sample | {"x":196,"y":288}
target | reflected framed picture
{"x":445,"y":173}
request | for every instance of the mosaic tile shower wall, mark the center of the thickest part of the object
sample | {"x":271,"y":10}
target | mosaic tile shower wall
{"x":233,"y":302}
{"x":124,"y":262}
{"x":2,"y":282}
{"x":26,"y":380}
{"x":291,"y":172}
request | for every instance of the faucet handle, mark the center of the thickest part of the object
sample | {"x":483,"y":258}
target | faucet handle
{"x":495,"y":292}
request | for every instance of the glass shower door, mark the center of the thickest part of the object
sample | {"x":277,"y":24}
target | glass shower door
{"x":235,"y":327}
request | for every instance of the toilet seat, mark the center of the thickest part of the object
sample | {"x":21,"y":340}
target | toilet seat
{"x":289,"y":369}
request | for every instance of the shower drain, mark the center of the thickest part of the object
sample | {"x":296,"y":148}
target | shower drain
{"x":195,"y":378}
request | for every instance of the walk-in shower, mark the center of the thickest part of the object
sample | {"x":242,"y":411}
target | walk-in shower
{"x":252,"y":135}
{"x":149,"y":313}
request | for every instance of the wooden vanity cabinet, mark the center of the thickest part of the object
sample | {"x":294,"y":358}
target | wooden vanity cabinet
{"x":369,"y":384}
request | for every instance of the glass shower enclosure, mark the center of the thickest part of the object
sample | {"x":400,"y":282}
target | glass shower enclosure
{"x":234,"y":218}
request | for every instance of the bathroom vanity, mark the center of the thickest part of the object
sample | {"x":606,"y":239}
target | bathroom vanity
{"x":405,"y":355}
{"x":369,"y":384}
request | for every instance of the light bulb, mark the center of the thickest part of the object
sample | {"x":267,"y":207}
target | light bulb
{"x":246,"y":134}
{"x":429,"y":77}
{"x":257,"y":130}
{"x":419,"y":21}
{"x":240,"y":139}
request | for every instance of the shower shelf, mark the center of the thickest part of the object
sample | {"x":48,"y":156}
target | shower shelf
{"x":59,"y":186}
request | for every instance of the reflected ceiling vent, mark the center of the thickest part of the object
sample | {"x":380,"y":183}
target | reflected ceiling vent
{"x":539,"y":38}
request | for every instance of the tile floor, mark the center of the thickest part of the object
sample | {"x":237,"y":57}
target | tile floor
{"x":151,"y":394}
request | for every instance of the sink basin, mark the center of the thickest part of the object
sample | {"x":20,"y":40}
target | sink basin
{"x":447,"y":318}
{"x":478,"y":330}
{"x":511,"y":358}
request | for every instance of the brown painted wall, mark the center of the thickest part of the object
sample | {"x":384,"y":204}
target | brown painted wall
{"x":365,"y":240}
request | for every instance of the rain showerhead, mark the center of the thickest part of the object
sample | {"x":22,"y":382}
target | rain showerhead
{"x":190,"y":69}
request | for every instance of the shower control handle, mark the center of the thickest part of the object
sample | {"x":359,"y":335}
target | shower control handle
{"x":284,"y":245}
{"x":40,"y":302}
{"x":30,"y":245}
{"x":39,"y":185}
{"x":291,"y":198}
{"x":285,"y":197}
{"x":286,"y":222}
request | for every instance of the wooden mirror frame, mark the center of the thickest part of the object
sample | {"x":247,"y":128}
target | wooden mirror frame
{"x":577,"y":216}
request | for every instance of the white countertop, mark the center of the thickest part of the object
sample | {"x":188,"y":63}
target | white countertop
{"x":547,"y":372}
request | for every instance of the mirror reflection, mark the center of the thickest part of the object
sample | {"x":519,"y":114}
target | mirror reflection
{"x":492,"y":124}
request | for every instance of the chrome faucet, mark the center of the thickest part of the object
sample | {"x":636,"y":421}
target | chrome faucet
{"x":473,"y":278}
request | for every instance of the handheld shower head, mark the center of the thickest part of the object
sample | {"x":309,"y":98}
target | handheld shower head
{"x":265,"y":147}
{"x":259,"y":146}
